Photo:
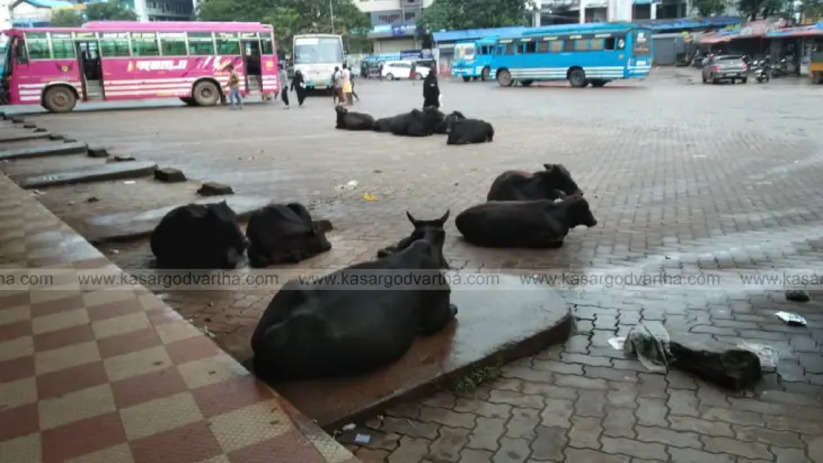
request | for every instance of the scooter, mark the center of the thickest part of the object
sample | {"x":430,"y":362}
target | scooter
{"x":762,"y":71}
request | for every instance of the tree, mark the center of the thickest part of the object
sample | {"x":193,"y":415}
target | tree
{"x":66,"y":17}
{"x":812,"y":10}
{"x":470,"y":14}
{"x":763,"y":8}
{"x":707,"y":8}
{"x":108,"y":10}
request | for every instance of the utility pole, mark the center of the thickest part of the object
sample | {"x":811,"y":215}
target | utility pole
{"x":331,"y":13}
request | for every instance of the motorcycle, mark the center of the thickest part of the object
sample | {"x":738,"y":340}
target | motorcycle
{"x":761,"y":70}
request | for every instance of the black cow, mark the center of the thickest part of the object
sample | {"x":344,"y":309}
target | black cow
{"x":284,"y":233}
{"x":467,"y":131}
{"x":420,"y":229}
{"x":316,"y":332}
{"x":540,"y":223}
{"x":445,"y":125}
{"x":198,"y":236}
{"x":552,"y":183}
{"x":415,"y":123}
{"x":353,"y":121}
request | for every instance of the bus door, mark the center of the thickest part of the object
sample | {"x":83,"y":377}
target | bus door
{"x":88,"y":55}
{"x":251,"y":63}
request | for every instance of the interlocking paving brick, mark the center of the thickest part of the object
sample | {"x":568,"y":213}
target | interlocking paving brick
{"x":668,"y":437}
{"x":482,"y":408}
{"x":549,"y":443}
{"x":557,"y":413}
{"x":736,"y":447}
{"x":789,"y":455}
{"x":767,"y":436}
{"x":698,"y":456}
{"x":634,"y":448}
{"x":486,"y":433}
{"x":711,"y":428}
{"x":447,"y":417}
{"x":410,"y":450}
{"x":585,"y":432}
{"x":590,"y":403}
{"x":473,"y":455}
{"x":593,"y":456}
{"x":523,"y":423}
{"x":448,"y":445}
{"x":511,"y":451}
{"x":580,"y":382}
{"x":558,"y":367}
{"x":651,"y":412}
{"x":516,"y":399}
{"x":409,"y":427}
{"x":683,"y":402}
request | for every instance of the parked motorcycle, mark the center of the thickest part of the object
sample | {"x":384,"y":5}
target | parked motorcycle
{"x":761,"y":70}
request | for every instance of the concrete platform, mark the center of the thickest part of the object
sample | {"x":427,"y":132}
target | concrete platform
{"x":52,"y":149}
{"x":108,"y":171}
{"x":12,"y":135}
{"x":138,"y":224}
{"x":493,"y":326}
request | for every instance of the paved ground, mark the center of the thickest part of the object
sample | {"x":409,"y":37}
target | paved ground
{"x":679,"y":175}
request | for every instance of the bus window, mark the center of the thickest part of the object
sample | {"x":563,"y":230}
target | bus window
{"x":511,"y":49}
{"x":22,"y":57}
{"x":609,"y":43}
{"x":581,"y":44}
{"x":38,"y":45}
{"x":114,"y":44}
{"x":596,"y":44}
{"x":173,"y":44}
{"x":641,"y":43}
{"x":557,"y":46}
{"x":268,"y":48}
{"x":227,"y":44}
{"x":568,"y":45}
{"x":544,"y":47}
{"x":529,"y":47}
{"x":144,"y":44}
{"x":201,"y":43}
{"x":62,"y":46}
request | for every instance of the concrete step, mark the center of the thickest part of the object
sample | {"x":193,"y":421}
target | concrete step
{"x":96,"y":173}
{"x":12,"y":135}
{"x":131,"y":225}
{"x":52,"y":149}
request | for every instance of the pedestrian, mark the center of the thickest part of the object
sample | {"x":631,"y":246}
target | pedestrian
{"x":347,"y":89}
{"x":431,"y":91}
{"x":335,"y":86}
{"x":413,"y":71}
{"x":234,"y":88}
{"x":284,"y":82}
{"x":298,"y":85}
{"x":352,"y":89}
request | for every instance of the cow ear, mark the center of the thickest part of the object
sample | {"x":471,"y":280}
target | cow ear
{"x":411,"y":218}
{"x":549,"y":167}
{"x":445,"y":217}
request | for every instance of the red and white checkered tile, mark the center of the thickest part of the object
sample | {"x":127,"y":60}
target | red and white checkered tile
{"x":118,"y":376}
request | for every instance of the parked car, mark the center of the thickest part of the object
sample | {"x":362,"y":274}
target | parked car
{"x":402,"y":69}
{"x":816,"y":68}
{"x":725,"y":67}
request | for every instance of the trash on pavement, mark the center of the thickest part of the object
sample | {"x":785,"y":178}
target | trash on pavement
{"x":351,"y":185}
{"x":349,"y":427}
{"x":369,"y":197}
{"x":768,"y":355}
{"x":791,"y":319}
{"x":129,"y":182}
{"x":618,"y":343}
{"x":650,"y":343}
{"x":797,"y":295}
{"x":362,"y":439}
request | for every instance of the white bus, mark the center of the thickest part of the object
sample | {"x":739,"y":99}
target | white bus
{"x":315,"y":56}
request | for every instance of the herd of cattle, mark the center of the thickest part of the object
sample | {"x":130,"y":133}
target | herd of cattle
{"x":417,"y":123}
{"x":320,"y":331}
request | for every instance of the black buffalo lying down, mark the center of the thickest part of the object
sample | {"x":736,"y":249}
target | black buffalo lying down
{"x":415,"y":123}
{"x":316,"y":332}
{"x":198,"y":236}
{"x":445,"y":125}
{"x":467,"y":131}
{"x":553,"y":182}
{"x":540,"y":223}
{"x":281,"y":233}
{"x":353,"y":121}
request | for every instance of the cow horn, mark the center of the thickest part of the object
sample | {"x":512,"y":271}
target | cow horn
{"x":411,"y":218}
{"x":548,"y":167}
{"x":445,"y":217}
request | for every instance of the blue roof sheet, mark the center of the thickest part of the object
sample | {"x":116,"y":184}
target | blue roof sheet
{"x":49,"y":3}
{"x":660,"y":25}
{"x":474,"y":34}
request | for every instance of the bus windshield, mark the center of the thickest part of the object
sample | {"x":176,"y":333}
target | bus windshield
{"x":641,"y":42}
{"x":464,"y":51}
{"x":313,"y":50}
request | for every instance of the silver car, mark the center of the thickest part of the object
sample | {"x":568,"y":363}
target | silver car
{"x":729,"y":67}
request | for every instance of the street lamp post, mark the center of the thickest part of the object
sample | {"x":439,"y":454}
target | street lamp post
{"x":331,"y":14}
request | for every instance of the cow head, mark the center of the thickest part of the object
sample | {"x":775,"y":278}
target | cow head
{"x":557,"y":177}
{"x":423,"y":229}
{"x":578,"y":212}
{"x":222,"y":221}
{"x":432,"y":118}
{"x":341,"y":112}
{"x":445,"y":125}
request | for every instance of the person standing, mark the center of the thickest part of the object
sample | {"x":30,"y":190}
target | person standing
{"x":347,"y":89}
{"x":234,"y":88}
{"x":284,"y":83}
{"x":431,"y":91}
{"x":298,"y":85}
{"x":336,"y":86}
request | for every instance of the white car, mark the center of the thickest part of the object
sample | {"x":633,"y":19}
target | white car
{"x":401,"y":70}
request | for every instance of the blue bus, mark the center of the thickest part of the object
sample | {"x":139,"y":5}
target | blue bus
{"x":473,"y":59}
{"x":583,"y":54}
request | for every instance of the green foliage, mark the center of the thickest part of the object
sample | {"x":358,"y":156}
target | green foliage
{"x":109,"y":10}
{"x":66,"y":17}
{"x":468,"y":14}
{"x":474,"y":378}
{"x":762,"y":8}
{"x":289,"y":17}
{"x":812,"y":10}
{"x":707,"y":8}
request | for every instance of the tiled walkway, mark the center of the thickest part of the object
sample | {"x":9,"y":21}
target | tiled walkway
{"x":118,"y":376}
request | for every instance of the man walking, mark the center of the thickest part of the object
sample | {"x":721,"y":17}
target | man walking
{"x":234,"y":88}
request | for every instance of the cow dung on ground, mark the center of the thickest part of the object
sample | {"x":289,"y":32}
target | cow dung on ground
{"x":169,"y":175}
{"x":214,"y":189}
{"x":797,"y":295}
{"x":97,"y":152}
{"x":281,"y":233}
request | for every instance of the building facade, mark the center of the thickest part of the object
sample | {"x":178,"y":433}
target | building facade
{"x":570,"y":11}
{"x":393,"y":23}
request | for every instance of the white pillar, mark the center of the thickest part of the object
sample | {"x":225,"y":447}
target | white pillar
{"x":140,"y":10}
{"x":536,"y":18}
{"x":653,"y":10}
{"x":582,"y":11}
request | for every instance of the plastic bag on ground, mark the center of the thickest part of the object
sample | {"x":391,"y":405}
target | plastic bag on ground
{"x":650,"y":343}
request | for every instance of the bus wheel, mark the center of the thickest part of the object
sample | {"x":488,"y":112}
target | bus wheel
{"x":484,"y":76}
{"x":599,"y":83}
{"x":59,"y":99}
{"x":504,"y":78}
{"x":206,"y":93}
{"x":466,"y":78}
{"x":390,"y":76}
{"x":188,"y":100}
{"x":577,"y":78}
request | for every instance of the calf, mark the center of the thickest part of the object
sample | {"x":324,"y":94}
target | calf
{"x":445,"y":125}
{"x":198,"y":236}
{"x":352,"y":121}
{"x":552,"y":183}
{"x":415,"y":123}
{"x":467,"y":131}
{"x":317,"y":332}
{"x":540,"y":223}
{"x":284,"y":233}
{"x":420,"y":228}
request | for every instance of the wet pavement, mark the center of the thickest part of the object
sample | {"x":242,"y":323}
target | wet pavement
{"x":679,"y":175}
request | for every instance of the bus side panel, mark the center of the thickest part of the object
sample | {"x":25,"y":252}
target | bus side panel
{"x":131,"y":78}
{"x":270,"y":72}
{"x":29,"y":80}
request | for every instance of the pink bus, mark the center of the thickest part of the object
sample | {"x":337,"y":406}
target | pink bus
{"x":126,"y":60}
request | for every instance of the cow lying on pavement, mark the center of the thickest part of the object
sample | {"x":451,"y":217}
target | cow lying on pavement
{"x":467,"y":131}
{"x":552,"y":183}
{"x":352,"y":121}
{"x":198,"y":236}
{"x":316,"y":332}
{"x":415,"y":123}
{"x":281,"y":233}
{"x":420,"y":229}
{"x":539,"y":223}
{"x":445,"y":125}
